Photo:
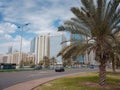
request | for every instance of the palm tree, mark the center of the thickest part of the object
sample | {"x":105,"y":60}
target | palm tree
{"x":46,"y":61}
{"x":67,"y":62}
{"x":115,"y":54}
{"x":53,"y":61}
{"x":99,"y":21}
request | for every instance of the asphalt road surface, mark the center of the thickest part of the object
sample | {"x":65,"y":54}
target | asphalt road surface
{"x":11,"y":78}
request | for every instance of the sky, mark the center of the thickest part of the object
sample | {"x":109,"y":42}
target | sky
{"x":43,"y":16}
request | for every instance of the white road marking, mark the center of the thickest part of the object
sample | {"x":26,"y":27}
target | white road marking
{"x":38,"y":74}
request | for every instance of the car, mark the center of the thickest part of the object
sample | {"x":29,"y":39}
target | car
{"x":91,"y":66}
{"x":38,"y":67}
{"x":59,"y":69}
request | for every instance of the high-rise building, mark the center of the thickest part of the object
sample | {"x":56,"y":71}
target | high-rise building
{"x":76,"y":37}
{"x":56,"y":46}
{"x":32,"y":45}
{"x":42,"y":47}
{"x":9,"y":50}
{"x":47,"y":45}
{"x":85,"y":58}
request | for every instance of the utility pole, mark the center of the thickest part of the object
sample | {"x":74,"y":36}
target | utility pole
{"x":21,"y":27}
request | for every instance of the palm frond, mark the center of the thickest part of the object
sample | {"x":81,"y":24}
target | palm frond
{"x":99,"y":10}
{"x":77,"y":28}
{"x":115,"y":18}
{"x":83,"y":16}
{"x":89,"y":6}
{"x":116,"y":30}
{"x":112,"y":8}
{"x":61,"y":28}
{"x":68,"y":51}
{"x":82,"y":24}
{"x":65,"y":41}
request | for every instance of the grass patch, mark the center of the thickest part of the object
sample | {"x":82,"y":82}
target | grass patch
{"x":15,"y":70}
{"x":88,"y":81}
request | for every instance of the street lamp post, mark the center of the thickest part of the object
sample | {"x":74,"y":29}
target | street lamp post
{"x":20,"y":54}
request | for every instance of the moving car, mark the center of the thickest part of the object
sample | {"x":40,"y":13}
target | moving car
{"x":59,"y":69}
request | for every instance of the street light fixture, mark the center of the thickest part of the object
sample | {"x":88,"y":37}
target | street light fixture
{"x":21,"y":27}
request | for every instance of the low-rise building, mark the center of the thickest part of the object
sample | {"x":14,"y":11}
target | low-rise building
{"x":15,"y":58}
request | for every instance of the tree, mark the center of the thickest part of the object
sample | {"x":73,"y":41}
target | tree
{"x":67,"y":62}
{"x":98,"y":20}
{"x":53,"y":61}
{"x":21,"y":63}
{"x":40,"y":63}
{"x":115,"y":54}
{"x":32,"y":63}
{"x":46,"y":61}
{"x":118,"y":63}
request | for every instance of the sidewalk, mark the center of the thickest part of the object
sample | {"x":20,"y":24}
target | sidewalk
{"x":34,"y":83}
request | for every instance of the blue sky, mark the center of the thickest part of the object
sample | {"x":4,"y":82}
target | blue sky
{"x":43,"y":16}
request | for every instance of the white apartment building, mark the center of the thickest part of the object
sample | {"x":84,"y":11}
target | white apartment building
{"x":32,"y":45}
{"x":42,"y":47}
{"x":48,"y":45}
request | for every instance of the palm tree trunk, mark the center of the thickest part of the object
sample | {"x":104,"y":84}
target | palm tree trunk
{"x":113,"y":65}
{"x":102,"y":72}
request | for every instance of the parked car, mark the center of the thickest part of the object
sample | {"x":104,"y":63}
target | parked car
{"x":91,"y":66}
{"x":59,"y":69}
{"x":38,"y":67}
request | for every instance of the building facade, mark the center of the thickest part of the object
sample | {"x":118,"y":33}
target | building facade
{"x":48,"y":45}
{"x":42,"y":47}
{"x":10,"y":49}
{"x":85,"y":58}
{"x":32,"y":45}
{"x":15,"y":58}
{"x":56,"y":46}
{"x":74,"y":38}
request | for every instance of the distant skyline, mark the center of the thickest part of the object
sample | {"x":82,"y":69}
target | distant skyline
{"x":43,"y":16}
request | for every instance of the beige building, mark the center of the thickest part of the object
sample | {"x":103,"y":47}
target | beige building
{"x":3,"y":58}
{"x":48,"y":44}
{"x":15,"y":58}
{"x":31,"y":57}
{"x":42,"y":47}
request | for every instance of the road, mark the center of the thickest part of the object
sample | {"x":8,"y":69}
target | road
{"x":11,"y":78}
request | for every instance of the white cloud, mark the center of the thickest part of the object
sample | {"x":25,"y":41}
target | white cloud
{"x":5,"y":37}
{"x":8,"y":37}
{"x":25,"y":44}
{"x":7,"y":28}
{"x":1,"y":31}
{"x":17,"y":38}
{"x":42,"y":14}
{"x":15,"y":43}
